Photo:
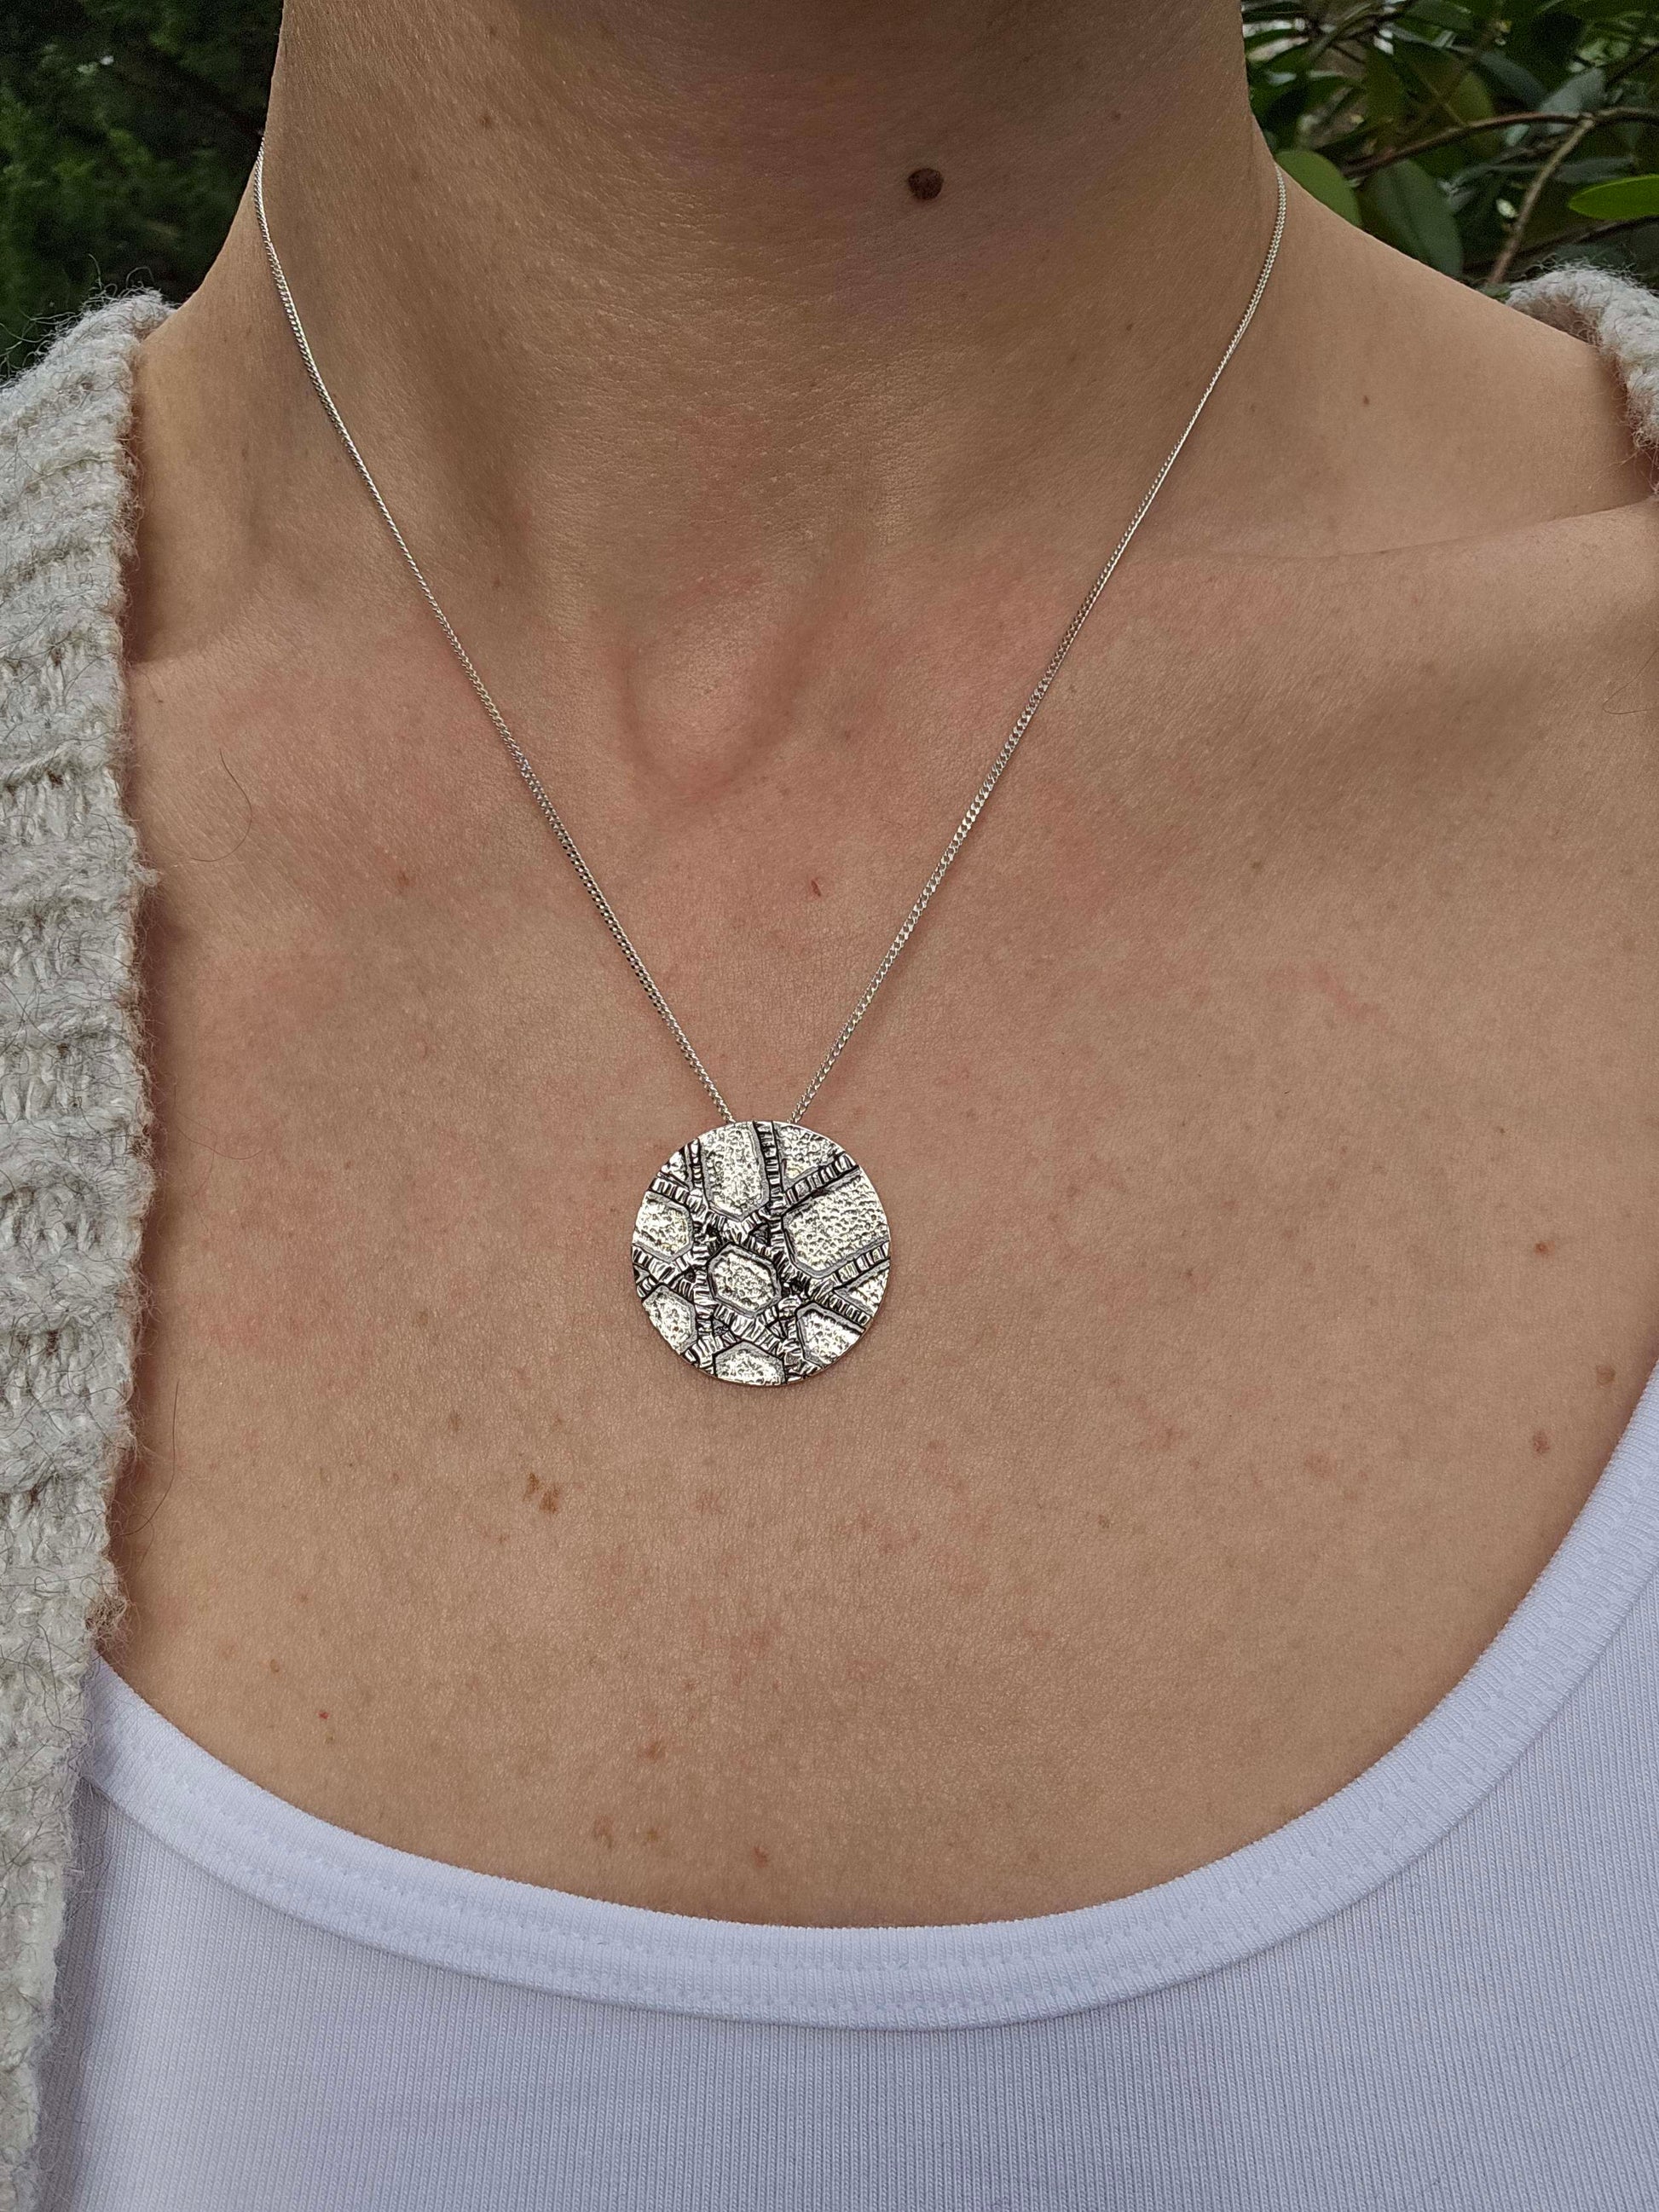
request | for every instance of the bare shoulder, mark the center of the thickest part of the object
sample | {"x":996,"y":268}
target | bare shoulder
{"x":1447,"y":505}
{"x":1406,"y":410}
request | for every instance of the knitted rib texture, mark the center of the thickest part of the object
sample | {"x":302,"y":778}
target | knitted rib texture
{"x":1621,"y":320}
{"x":75,"y":1179}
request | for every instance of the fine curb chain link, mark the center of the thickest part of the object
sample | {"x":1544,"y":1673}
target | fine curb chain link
{"x":521,"y":760}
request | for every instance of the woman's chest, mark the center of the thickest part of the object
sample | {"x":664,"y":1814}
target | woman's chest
{"x":1270,"y":1283}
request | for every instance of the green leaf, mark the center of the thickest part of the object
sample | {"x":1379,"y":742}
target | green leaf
{"x":1403,"y":204}
{"x":1517,"y":83}
{"x":1456,"y":93}
{"x":1623,"y":200}
{"x":1385,"y":96}
{"x":1322,"y":179}
{"x":1444,"y":15}
{"x":1450,"y":82}
{"x":1587,"y":89}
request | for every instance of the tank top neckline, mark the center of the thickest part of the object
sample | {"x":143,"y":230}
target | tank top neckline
{"x":937,"y":1975}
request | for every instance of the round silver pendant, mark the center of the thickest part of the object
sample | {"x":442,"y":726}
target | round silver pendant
{"x":760,"y":1252}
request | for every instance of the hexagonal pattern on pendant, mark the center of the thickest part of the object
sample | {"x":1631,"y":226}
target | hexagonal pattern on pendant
{"x":761,"y":1252}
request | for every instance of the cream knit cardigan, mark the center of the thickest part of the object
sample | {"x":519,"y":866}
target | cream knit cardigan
{"x":75,"y":1177}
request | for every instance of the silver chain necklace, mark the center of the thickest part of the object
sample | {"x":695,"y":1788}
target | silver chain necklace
{"x":761,"y":1249}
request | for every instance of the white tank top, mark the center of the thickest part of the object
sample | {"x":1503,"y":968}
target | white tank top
{"x":1438,"y":1988}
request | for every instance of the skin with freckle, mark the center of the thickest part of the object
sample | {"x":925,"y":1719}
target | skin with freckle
{"x":1264,"y":1109}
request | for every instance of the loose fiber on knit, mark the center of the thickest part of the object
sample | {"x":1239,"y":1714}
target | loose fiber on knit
{"x":73,"y":1177}
{"x":74,"y":1180}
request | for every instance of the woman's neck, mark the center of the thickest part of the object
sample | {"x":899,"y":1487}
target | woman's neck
{"x":648,"y":289}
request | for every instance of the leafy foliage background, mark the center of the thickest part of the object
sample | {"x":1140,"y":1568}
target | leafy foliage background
{"x":1487,"y":141}
{"x":127,"y":130}
{"x":1484,"y":140}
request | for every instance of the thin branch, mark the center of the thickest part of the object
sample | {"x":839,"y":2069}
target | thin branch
{"x":1535,"y":192}
{"x":1600,"y":115}
{"x":1584,"y":235}
{"x":1362,"y":23}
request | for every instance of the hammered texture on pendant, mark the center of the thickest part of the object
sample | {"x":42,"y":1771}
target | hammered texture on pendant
{"x":760,"y":1252}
